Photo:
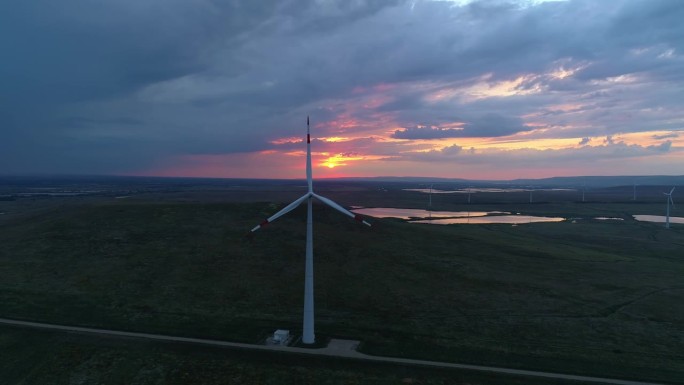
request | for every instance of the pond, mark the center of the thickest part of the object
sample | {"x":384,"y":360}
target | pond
{"x":483,"y":217}
{"x":657,"y":218}
{"x":387,"y":212}
{"x":483,"y":190}
{"x":452,"y":217}
{"x":508,"y":219}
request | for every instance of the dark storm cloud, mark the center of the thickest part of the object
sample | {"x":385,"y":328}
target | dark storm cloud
{"x":102,"y":87}
{"x":648,"y":23}
{"x":79,"y":50}
{"x":490,"y":125}
{"x":427,"y":133}
{"x":666,"y":136}
{"x":91,"y":59}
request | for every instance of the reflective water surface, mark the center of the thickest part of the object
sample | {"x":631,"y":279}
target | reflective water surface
{"x":510,"y":219}
{"x":387,"y":212}
{"x":657,"y":218}
{"x":451,"y":217}
{"x":483,"y":217}
{"x":482,"y":190}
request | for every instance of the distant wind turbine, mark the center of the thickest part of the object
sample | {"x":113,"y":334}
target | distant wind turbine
{"x":430,"y":204}
{"x":668,"y":202}
{"x":634,"y":192}
{"x":308,"y":335}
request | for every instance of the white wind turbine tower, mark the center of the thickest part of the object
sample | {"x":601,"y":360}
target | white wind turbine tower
{"x":430,"y":204}
{"x":668,"y":202}
{"x":634,"y":192}
{"x":308,"y":335}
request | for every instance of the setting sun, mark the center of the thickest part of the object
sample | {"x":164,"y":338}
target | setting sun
{"x":334,"y":161}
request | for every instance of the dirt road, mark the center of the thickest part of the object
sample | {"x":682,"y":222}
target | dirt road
{"x":336,"y":348}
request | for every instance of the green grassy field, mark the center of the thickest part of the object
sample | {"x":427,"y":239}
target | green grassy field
{"x":594,"y":298}
{"x":40,"y":357}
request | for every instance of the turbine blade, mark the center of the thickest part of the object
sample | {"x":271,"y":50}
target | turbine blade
{"x":280,"y":213}
{"x":309,"y":177}
{"x":672,"y":190}
{"x":341,"y":209}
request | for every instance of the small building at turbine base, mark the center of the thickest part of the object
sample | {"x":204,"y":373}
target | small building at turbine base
{"x":280,"y":337}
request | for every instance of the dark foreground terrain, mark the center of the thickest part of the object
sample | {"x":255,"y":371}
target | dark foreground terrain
{"x":603,"y":298}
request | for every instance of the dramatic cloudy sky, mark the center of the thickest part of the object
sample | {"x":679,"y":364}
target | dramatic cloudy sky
{"x":472,"y":89}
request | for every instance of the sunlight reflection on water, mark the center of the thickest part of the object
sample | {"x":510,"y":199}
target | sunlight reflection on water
{"x":482,"y":190}
{"x":657,"y":218}
{"x":507,"y":219}
{"x":453,"y":217}
{"x":482,"y":217}
{"x":387,"y":212}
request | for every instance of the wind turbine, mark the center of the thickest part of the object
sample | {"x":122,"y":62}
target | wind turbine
{"x":308,"y":335}
{"x":634,"y":192}
{"x":430,"y":204}
{"x":668,"y":202}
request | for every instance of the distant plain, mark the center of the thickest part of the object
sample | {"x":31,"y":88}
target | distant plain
{"x":603,"y":298}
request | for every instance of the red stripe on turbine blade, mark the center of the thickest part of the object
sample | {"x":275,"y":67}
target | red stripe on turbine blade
{"x":264,"y":223}
{"x":308,"y":138}
{"x":358,"y":218}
